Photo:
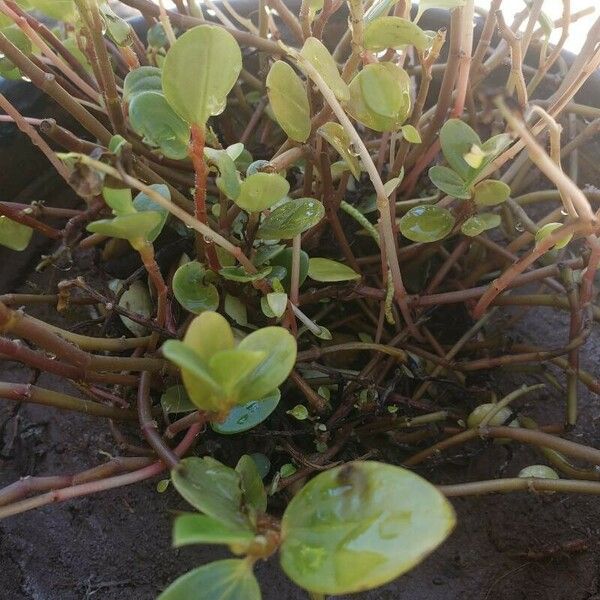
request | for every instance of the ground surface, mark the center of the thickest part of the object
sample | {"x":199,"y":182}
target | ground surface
{"x":116,"y":545}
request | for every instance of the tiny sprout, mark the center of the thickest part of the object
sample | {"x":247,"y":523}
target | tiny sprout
{"x":299,"y":412}
{"x":538,"y":472}
{"x":547,"y":230}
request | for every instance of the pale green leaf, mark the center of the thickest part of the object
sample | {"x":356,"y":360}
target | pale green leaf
{"x":361,"y":525}
{"x":199,"y":71}
{"x":336,"y":135}
{"x":290,"y":219}
{"x":14,"y":235}
{"x":253,"y":490}
{"x":193,"y":528}
{"x":327,"y":270}
{"x":426,"y":223}
{"x":289,"y":101}
{"x":394,"y":32}
{"x":491,"y":192}
{"x":320,"y":58}
{"x":261,"y":191}
{"x":192,"y":291}
{"x":477,"y":224}
{"x":230,"y":579}
{"x":449,"y":182}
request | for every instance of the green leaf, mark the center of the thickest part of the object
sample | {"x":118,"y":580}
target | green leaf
{"x":390,"y":185}
{"x":549,"y":228}
{"x":212,"y":488}
{"x":263,"y":464}
{"x":117,"y":29}
{"x":135,"y":299}
{"x":191,"y":290}
{"x":449,"y":182}
{"x":277,"y":302}
{"x":284,"y":259}
{"x":380,"y":96}
{"x":235,"y":309}
{"x":247,"y":416}
{"x":230,"y":579}
{"x":61,"y":10}
{"x":325,"y":269}
{"x":336,"y":135}
{"x":240,"y":275}
{"x":394,"y":32}
{"x":427,"y":4}
{"x":291,"y":219}
{"x":457,"y":139}
{"x":16,"y":36}
{"x":289,"y":101}
{"x":14,"y":235}
{"x":128,"y":227}
{"x":142,"y":202}
{"x":411,"y":134}
{"x":205,"y":392}
{"x":299,"y":412}
{"x":262,"y":190}
{"x":342,"y":534}
{"x":142,"y":79}
{"x":208,"y":334}
{"x":477,"y":224}
{"x":266,"y":253}
{"x":491,"y":192}
{"x":151,"y":117}
{"x":228,"y":180}
{"x":319,"y":57}
{"x":176,"y":400}
{"x":193,"y":528}
{"x":253,"y":490}
{"x":426,"y":223}
{"x":231,"y":367}
{"x":199,"y":71}
{"x":280,"y":348}
{"x":119,"y":200}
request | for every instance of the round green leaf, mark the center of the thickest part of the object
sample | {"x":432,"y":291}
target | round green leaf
{"x":191,"y":291}
{"x":394,"y":32}
{"x":426,"y":223}
{"x":539,"y":472}
{"x":142,"y":79}
{"x":119,"y":200}
{"x":152,"y":118}
{"x":14,"y":235}
{"x":199,"y":71}
{"x":325,"y":269}
{"x":380,"y":96}
{"x":277,"y":302}
{"x":284,"y":259}
{"x":289,"y":101}
{"x":411,"y":134}
{"x":247,"y":416}
{"x":212,"y":488}
{"x":336,"y":135}
{"x":290,"y":219}
{"x":491,"y":192}
{"x":135,"y":299}
{"x":230,"y":579}
{"x":319,"y":57}
{"x":230,"y":367}
{"x":176,"y":400}
{"x":280,"y":348}
{"x":261,"y":190}
{"x":449,"y":182}
{"x":457,"y":139}
{"x":208,"y":334}
{"x":477,"y":224}
{"x":361,"y":525}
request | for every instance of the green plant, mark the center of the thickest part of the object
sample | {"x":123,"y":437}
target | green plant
{"x":298,"y":254}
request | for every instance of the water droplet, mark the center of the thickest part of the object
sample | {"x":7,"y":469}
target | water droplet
{"x":519,"y":226}
{"x":243,"y":419}
{"x":426,"y":223}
